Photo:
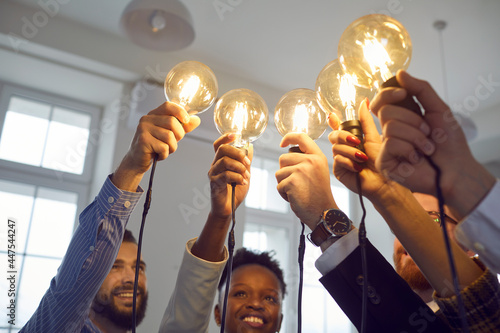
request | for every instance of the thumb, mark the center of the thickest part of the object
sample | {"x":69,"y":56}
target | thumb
{"x":367,"y":123}
{"x":194,"y":121}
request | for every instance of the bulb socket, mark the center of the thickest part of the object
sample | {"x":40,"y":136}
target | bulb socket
{"x":409,"y":101}
{"x":354,"y":127}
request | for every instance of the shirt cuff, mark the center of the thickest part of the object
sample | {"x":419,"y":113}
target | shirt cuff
{"x":480,"y":230}
{"x":337,"y":252}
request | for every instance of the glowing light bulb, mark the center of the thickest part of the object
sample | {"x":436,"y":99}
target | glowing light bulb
{"x":243,"y":112}
{"x":192,"y":85}
{"x":374,"y":47}
{"x":298,"y":111}
{"x":338,"y":91}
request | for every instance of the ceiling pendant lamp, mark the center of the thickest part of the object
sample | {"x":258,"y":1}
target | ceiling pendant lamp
{"x":161,"y":25}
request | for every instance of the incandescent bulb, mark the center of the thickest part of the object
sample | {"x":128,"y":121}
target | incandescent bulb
{"x":192,"y":85}
{"x":375,"y":47}
{"x":298,"y":111}
{"x":242,"y":112}
{"x":338,"y":91}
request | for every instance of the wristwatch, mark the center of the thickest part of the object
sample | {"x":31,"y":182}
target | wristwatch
{"x":334,"y":223}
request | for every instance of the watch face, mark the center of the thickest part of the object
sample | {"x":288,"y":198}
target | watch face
{"x":337,"y":222}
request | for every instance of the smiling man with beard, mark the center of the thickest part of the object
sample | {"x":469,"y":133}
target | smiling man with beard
{"x":112,"y":306}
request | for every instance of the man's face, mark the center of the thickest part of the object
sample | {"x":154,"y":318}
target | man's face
{"x":254,"y":301}
{"x":115,"y":297}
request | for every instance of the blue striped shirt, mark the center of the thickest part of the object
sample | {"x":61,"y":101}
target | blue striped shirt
{"x":91,"y":253}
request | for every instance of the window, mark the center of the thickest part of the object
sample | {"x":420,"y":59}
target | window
{"x":271,"y":226}
{"x":45,"y":159}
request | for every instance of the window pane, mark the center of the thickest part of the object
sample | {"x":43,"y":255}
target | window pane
{"x":313,"y":310}
{"x":29,"y":107}
{"x":23,"y":138}
{"x":5,"y":286}
{"x":262,"y":193}
{"x":53,"y":220}
{"x":35,"y":280}
{"x":17,"y":203}
{"x":67,"y":141}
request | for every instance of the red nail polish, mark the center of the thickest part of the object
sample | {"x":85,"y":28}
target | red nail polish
{"x":360,"y":156}
{"x":358,"y":167}
{"x":367,"y":103}
{"x":353,"y":140}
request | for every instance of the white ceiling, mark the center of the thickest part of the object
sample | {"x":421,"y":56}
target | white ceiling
{"x":283,"y":44}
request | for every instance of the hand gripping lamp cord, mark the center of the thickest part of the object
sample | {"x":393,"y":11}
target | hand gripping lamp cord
{"x":374,"y":47}
{"x":244,"y":113}
{"x":193,"y":86}
{"x":298,"y":111}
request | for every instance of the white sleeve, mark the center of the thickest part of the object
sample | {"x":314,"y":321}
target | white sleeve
{"x":337,"y":252}
{"x":191,"y":304}
{"x":480,"y":230}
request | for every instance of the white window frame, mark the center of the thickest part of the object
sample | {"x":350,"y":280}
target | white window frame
{"x":9,"y":90}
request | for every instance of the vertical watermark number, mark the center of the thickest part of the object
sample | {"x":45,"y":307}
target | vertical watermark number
{"x":11,"y":270}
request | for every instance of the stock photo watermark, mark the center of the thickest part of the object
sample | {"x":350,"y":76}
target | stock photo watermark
{"x":11,"y":272}
{"x":222,"y":7}
{"x":32,"y":25}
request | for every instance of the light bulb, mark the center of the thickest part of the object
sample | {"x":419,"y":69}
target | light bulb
{"x":374,"y":47}
{"x":298,"y":111}
{"x":191,"y":85}
{"x":338,"y":91}
{"x":242,"y":112}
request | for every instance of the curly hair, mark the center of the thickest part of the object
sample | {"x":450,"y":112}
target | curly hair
{"x":245,"y":256}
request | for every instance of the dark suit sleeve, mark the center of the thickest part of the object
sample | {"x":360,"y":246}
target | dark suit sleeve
{"x":392,"y":306}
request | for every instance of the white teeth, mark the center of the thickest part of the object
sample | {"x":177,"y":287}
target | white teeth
{"x":253,"y":320}
{"x":125,"y":294}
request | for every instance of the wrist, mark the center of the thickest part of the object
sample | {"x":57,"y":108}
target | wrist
{"x":468,"y":190}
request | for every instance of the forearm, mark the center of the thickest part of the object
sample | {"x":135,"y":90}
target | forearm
{"x":423,"y":240}
{"x":210,"y":244}
{"x":473,"y":185}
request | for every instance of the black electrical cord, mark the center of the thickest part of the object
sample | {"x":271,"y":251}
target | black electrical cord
{"x":454,"y":275}
{"x":364,"y":261}
{"x":230,"y":248}
{"x":302,"y":250}
{"x":147,"y":204}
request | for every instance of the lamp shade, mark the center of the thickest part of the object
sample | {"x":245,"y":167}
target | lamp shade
{"x":158,"y":24}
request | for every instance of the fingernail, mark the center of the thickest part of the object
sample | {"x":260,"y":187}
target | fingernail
{"x":367,"y":103}
{"x":428,"y":148}
{"x":358,"y":167}
{"x":186,"y":119}
{"x":247,"y":161}
{"x":424,"y":128}
{"x":245,"y":182}
{"x":247,"y":174}
{"x":398,"y":93}
{"x":353,"y":140}
{"x":361,"y":156}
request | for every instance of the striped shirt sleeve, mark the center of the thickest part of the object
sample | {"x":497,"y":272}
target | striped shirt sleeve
{"x":88,"y":260}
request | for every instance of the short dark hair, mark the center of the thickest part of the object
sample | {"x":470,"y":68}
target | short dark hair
{"x":245,"y":256}
{"x":129,"y":237}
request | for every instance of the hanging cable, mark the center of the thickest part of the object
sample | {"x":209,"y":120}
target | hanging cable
{"x":230,"y":248}
{"x":302,"y":250}
{"x":147,"y":204}
{"x":454,"y":275}
{"x":364,"y":262}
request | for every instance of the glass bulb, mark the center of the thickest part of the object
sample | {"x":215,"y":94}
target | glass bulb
{"x":192,"y":85}
{"x":375,"y":47}
{"x":298,"y":111}
{"x":338,"y":91}
{"x":243,"y":112}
